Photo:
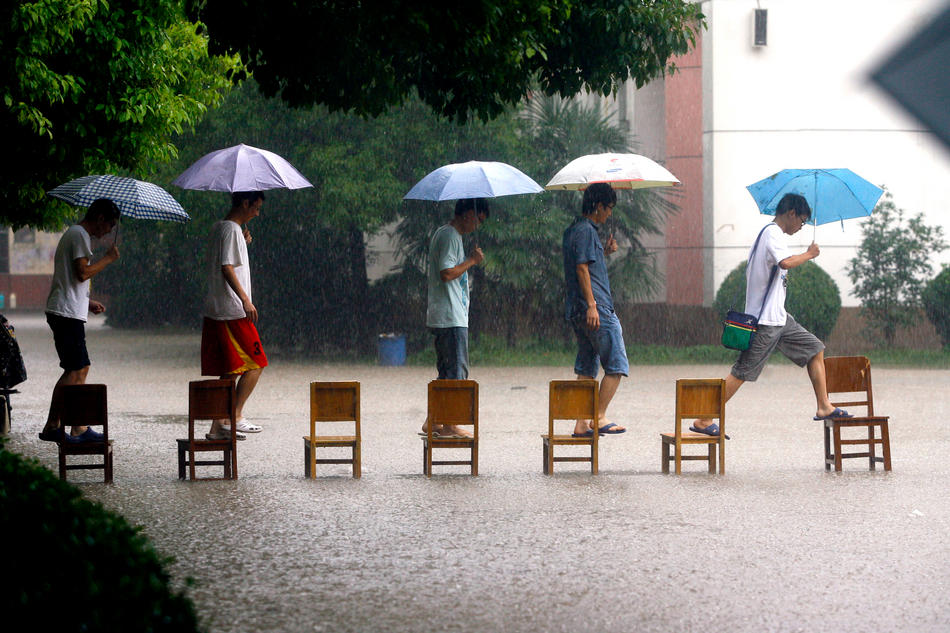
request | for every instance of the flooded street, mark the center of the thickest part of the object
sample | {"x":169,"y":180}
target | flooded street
{"x":777,"y":544}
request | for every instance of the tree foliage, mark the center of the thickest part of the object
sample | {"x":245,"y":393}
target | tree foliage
{"x":936,"y":300}
{"x":892,"y":266}
{"x":94,"y":86}
{"x":812,"y":297}
{"x":474,"y":57}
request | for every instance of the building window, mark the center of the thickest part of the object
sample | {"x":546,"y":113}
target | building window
{"x":26,"y":235}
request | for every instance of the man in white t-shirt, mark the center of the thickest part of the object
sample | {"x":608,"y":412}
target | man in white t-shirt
{"x":230,"y":344}
{"x":68,"y":306}
{"x":777,"y":329}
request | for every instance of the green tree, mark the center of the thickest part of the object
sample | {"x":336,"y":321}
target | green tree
{"x":475,"y":57}
{"x":936,"y":300}
{"x":93,"y":86}
{"x":892,"y":266}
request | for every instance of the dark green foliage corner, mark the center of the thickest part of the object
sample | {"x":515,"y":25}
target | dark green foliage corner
{"x":936,"y":300}
{"x":813,"y":297}
{"x":71,"y":565}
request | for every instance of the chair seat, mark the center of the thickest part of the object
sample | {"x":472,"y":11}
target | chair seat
{"x":450,"y":442}
{"x":85,"y":448}
{"x":332,"y":440}
{"x":690,"y":438}
{"x":206,"y":444}
{"x":566,"y":439}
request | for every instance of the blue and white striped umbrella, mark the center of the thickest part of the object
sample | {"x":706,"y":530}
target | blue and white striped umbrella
{"x":135,"y":198}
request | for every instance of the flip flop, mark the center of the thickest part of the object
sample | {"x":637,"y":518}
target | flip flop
{"x":588,"y":433}
{"x":837,"y":414}
{"x":610,"y":429}
{"x":712,"y":430}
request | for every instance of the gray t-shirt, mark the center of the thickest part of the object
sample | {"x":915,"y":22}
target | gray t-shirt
{"x":448,"y":301}
{"x":68,"y":296}
{"x":227,"y":246}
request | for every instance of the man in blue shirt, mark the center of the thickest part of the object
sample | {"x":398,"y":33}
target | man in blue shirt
{"x":449,"y":291}
{"x":590,"y":307}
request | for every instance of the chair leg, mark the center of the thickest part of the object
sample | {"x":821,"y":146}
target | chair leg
{"x":62,"y":465}
{"x":827,"y":447}
{"x":357,"y":461}
{"x":711,"y":458}
{"x":544,"y":458}
{"x":475,"y":459}
{"x":678,"y":452}
{"x":181,"y":461}
{"x":427,"y":459}
{"x":306,"y":461}
{"x":886,"y":446}
{"x":837,"y":438}
{"x":722,"y":456}
{"x":665,"y":457}
{"x":313,"y":461}
{"x":594,"y":467}
{"x":108,"y":465}
{"x":871,"y":457}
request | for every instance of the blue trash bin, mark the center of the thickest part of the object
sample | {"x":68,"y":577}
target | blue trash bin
{"x":392,"y":350}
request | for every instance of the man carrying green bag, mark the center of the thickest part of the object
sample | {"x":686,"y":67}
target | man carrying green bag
{"x":776,"y":328}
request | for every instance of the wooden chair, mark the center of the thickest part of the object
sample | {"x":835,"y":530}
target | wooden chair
{"x":85,"y":405}
{"x":209,"y":400}
{"x":852,"y":375}
{"x":452,"y":402}
{"x":695,"y":399}
{"x":333,"y":402}
{"x":571,"y":400}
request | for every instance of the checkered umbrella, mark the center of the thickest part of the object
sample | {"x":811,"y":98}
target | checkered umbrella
{"x":135,"y":198}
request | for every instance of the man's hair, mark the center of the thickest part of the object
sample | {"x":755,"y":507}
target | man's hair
{"x":251,"y":196}
{"x":598,"y":193}
{"x":479,"y":204}
{"x":102,"y":209}
{"x":796,"y":203}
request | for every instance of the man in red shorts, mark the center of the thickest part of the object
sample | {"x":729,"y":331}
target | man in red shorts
{"x":230,"y":344}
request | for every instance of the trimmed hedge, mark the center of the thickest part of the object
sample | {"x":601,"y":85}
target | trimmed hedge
{"x":71,"y":565}
{"x":813,"y":297}
{"x":936,"y":300}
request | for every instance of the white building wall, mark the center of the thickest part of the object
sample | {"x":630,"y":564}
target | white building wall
{"x":806,"y":100}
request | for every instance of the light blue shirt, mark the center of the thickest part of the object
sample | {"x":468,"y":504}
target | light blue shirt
{"x":448,"y":301}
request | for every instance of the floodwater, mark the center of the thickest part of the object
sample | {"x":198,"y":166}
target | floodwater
{"x":777,"y":544}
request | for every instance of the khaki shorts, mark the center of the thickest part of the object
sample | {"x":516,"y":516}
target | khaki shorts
{"x":798,"y":344}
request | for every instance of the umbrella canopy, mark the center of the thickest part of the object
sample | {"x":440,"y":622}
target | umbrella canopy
{"x":135,"y":198}
{"x":912,"y":76}
{"x":620,"y":171}
{"x":833,"y":194}
{"x":474,"y":179}
{"x":241,"y":168}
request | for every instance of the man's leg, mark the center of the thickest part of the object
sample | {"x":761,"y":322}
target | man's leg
{"x":816,"y":373}
{"x":245,"y":386}
{"x":608,"y":387}
{"x":732,"y":386}
{"x":69,"y":377}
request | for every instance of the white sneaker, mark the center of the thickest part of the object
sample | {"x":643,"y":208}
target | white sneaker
{"x":224,"y":433}
{"x":246,"y":427}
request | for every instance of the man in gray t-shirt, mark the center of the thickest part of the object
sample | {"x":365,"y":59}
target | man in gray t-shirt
{"x":449,"y":290}
{"x":68,"y":306}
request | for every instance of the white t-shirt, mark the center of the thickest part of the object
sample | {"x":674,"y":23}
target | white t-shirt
{"x":770,"y":251}
{"x":69,"y":297}
{"x":226,"y":247}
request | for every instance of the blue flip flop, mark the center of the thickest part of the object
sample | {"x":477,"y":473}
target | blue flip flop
{"x":589,"y":433}
{"x":712,"y":429}
{"x":610,"y":429}
{"x":837,"y":414}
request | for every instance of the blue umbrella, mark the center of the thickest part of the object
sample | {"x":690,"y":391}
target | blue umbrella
{"x":474,"y":179}
{"x":135,"y":198}
{"x":832,"y":194}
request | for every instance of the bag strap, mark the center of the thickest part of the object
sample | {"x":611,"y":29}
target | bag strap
{"x":768,"y":288}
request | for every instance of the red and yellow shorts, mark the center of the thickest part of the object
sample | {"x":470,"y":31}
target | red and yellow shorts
{"x":230,"y":347}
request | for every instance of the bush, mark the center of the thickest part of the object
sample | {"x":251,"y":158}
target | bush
{"x":813,"y":297}
{"x":71,"y":565}
{"x":936,"y":300}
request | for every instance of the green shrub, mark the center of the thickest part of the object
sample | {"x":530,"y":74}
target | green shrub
{"x":813,"y":297}
{"x":71,"y":565}
{"x":936,"y":300}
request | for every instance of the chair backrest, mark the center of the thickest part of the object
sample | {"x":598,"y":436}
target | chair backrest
{"x":573,"y":400}
{"x":334,"y":402}
{"x":453,"y":402}
{"x":211,"y":399}
{"x":850,"y":375}
{"x":701,"y":398}
{"x":85,"y":405}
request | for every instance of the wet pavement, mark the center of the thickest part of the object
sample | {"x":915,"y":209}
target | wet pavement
{"x":777,"y":544}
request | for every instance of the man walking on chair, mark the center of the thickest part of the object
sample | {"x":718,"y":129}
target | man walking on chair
{"x":777,"y":329}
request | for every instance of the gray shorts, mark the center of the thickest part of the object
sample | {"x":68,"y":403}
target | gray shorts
{"x":798,"y":344}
